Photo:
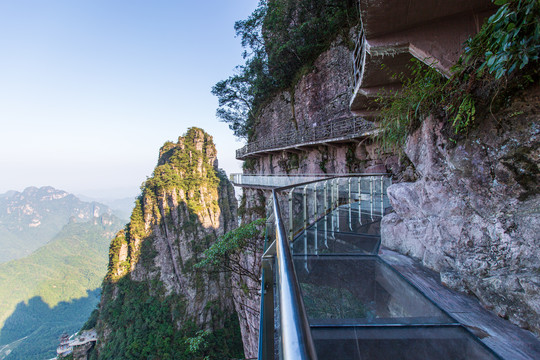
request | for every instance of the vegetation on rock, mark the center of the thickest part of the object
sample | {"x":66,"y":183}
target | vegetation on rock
{"x":223,"y":254}
{"x":501,"y":59}
{"x":155,"y":304}
{"x":282,"y":39}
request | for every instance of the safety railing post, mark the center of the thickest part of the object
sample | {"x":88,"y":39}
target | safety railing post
{"x":325,"y":190}
{"x":315,"y":202}
{"x":350,"y":192}
{"x":291,"y":221}
{"x":360,"y":200}
{"x":371,"y":196}
{"x":305,"y":207}
{"x":382,"y":195}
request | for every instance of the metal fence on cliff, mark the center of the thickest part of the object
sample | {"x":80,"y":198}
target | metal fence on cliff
{"x":330,"y":131}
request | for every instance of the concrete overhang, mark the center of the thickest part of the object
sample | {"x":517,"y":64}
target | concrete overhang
{"x":394,"y":32}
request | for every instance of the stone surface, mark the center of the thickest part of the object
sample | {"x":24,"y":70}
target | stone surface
{"x":247,"y":298}
{"x":474,"y":213}
{"x":179,"y":214}
{"x":320,"y":97}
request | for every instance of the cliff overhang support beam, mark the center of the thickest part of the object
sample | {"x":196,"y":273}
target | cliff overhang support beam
{"x":394,"y":32}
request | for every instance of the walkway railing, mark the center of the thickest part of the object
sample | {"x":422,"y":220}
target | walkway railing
{"x":359,"y":56}
{"x":333,"y":130}
{"x":294,"y":332}
{"x":335,"y":298}
{"x":275,"y":181}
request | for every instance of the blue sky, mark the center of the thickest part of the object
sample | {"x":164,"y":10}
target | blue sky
{"x":90,"y":89}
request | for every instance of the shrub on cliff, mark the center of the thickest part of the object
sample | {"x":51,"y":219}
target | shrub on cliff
{"x":500,"y":59}
{"x":281,"y":38}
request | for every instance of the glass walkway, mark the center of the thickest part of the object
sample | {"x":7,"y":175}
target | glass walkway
{"x":326,"y":294}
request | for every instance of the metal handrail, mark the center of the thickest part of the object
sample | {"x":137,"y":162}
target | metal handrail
{"x":349,"y":128}
{"x":237,"y":178}
{"x":296,"y":339}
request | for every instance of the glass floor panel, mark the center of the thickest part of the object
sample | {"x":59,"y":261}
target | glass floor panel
{"x":404,"y":343}
{"x":318,"y":242}
{"x":358,"y":290}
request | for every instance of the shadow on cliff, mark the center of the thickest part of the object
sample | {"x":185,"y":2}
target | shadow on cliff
{"x":41,"y":326}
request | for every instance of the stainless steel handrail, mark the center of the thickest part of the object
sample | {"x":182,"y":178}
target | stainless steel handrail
{"x":296,"y":340}
{"x":237,"y":178}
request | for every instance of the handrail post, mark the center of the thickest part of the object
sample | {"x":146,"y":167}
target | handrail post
{"x":291,"y":221}
{"x":350,"y":192}
{"x":371,"y":196}
{"x":382,"y":196}
{"x":306,"y":215}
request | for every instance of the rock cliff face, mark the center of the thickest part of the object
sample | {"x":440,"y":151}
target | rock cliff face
{"x":474,"y":213}
{"x":319,"y":98}
{"x":155,"y":302}
{"x":247,"y":298}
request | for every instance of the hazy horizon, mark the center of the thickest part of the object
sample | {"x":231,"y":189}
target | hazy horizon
{"x":91,"y":90}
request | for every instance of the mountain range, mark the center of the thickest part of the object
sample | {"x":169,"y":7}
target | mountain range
{"x":29,"y":219}
{"x":55,"y":288}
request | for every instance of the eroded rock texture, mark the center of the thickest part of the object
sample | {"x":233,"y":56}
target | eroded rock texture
{"x":474,"y":213}
{"x":246,"y":285}
{"x":155,"y":300}
{"x":320,"y":97}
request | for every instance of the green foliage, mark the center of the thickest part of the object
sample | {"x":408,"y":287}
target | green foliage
{"x":289,"y":162}
{"x":145,"y":327}
{"x":296,"y":32}
{"x":510,"y":39}
{"x":282,"y":38}
{"x":181,"y":171}
{"x":249,"y":164}
{"x":465,"y":114}
{"x":64,"y":269}
{"x":198,"y":342}
{"x":47,"y":293}
{"x":92,"y":320}
{"x":402,"y":111}
{"x":241,"y":239}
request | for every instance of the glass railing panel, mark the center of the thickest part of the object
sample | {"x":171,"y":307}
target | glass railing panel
{"x":360,"y":290}
{"x":404,"y":343}
{"x":319,"y":242}
{"x":346,"y":219}
{"x":296,"y":211}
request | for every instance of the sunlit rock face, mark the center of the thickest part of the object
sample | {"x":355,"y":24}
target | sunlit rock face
{"x":183,"y":208}
{"x":474,"y":213}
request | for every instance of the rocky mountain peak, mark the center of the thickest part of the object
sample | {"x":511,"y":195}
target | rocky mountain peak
{"x":184,"y":206}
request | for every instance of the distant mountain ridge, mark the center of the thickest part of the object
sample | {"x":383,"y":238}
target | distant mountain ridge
{"x":31,"y":218}
{"x":55,"y":288}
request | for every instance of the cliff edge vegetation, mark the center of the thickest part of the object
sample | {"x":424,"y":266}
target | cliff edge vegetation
{"x":155,"y":303}
{"x":282,"y":38}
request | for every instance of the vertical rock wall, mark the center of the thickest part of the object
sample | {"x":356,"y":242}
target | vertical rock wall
{"x":154,"y":299}
{"x":474,"y":213}
{"x":320,"y":97}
